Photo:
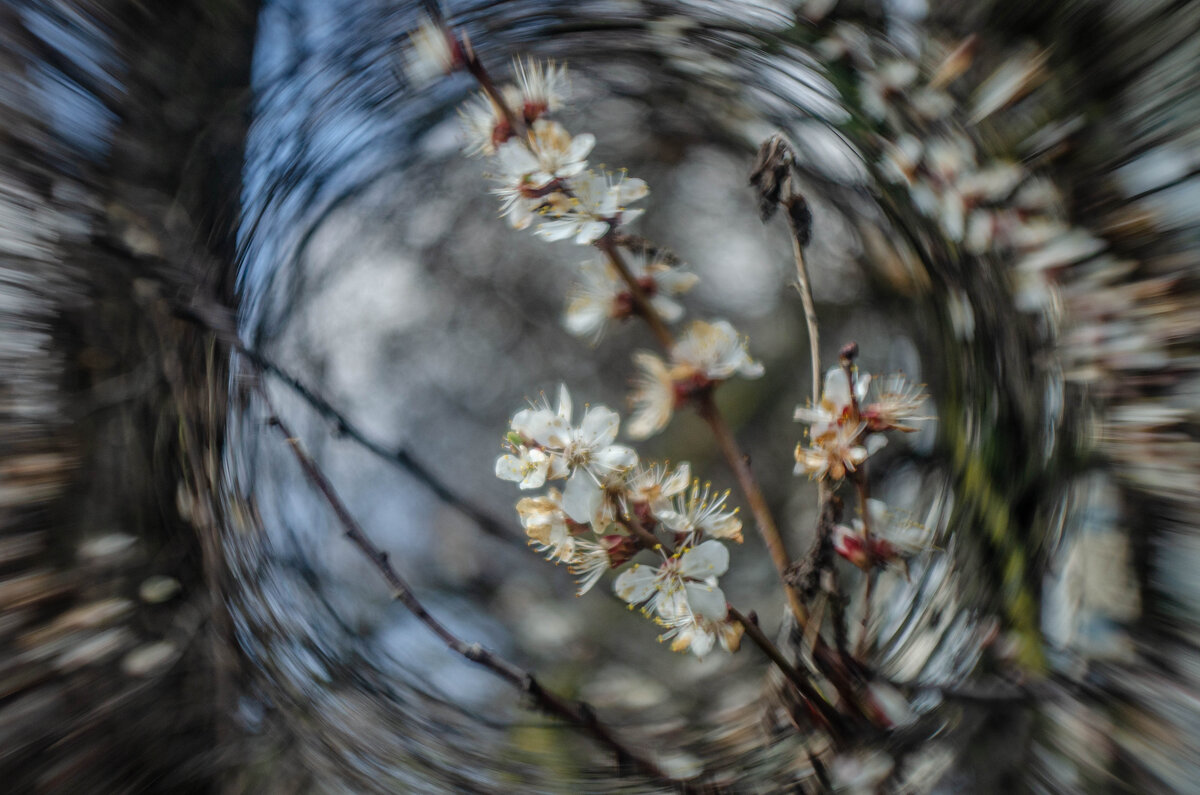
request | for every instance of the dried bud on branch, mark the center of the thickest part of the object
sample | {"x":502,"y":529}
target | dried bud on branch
{"x":774,"y":179}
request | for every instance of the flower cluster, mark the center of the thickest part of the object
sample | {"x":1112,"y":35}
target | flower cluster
{"x":541,"y":169}
{"x":986,"y":205}
{"x":879,"y":538}
{"x":543,"y":183}
{"x":611,"y":508}
{"x":844,"y":429}
{"x":602,"y":294}
{"x":707,"y":354}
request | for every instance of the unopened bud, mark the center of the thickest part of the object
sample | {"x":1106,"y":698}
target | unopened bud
{"x":619,"y":548}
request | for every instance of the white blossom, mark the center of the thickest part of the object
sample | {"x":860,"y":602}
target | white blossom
{"x":836,"y":404}
{"x":528,"y":467}
{"x":688,"y":631}
{"x":547,"y":526}
{"x":834,"y":453}
{"x":715,"y":350}
{"x":896,"y":406}
{"x":596,"y":204}
{"x":655,"y":486}
{"x":544,"y":87}
{"x":483,"y":124}
{"x":585,"y":454}
{"x":707,"y":353}
{"x":686,"y":580}
{"x":653,"y":397}
{"x":432,"y":53}
{"x":703,"y":514}
{"x":547,"y":154}
{"x":893,"y":539}
{"x":880,"y":87}
{"x":603,"y":294}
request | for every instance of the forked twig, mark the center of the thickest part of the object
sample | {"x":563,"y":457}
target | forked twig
{"x":576,"y":713}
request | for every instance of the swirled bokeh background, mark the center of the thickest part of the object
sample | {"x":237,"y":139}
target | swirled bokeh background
{"x":1005,"y":206}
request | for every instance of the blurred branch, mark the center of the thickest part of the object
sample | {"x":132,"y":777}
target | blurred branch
{"x":577,"y":713}
{"x":821,"y":709}
{"x":220,"y":321}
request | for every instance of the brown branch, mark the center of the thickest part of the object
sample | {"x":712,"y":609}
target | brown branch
{"x":641,"y":302}
{"x":219,"y":321}
{"x":648,"y":539}
{"x":822,"y":710}
{"x":810,"y":318}
{"x":576,"y":713}
{"x":515,"y":121}
{"x":707,"y":408}
{"x":860,"y":485}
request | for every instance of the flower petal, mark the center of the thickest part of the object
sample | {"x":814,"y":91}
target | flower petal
{"x":614,"y":458}
{"x":599,"y":426}
{"x":582,"y":497}
{"x":564,"y":404}
{"x":581,"y":146}
{"x":509,"y":467}
{"x":678,"y":481}
{"x":631,"y":189}
{"x":637,"y":584}
{"x":710,"y":559}
{"x":536,"y":465}
{"x":706,"y":600}
{"x":669,"y":310}
{"x":586,"y":316}
{"x":590,"y":232}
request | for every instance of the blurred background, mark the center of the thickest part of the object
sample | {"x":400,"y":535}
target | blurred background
{"x":1005,"y":208}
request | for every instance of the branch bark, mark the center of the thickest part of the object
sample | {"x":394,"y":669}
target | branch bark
{"x":576,"y":713}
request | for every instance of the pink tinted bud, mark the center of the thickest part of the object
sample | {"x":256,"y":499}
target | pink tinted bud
{"x":619,"y":548}
{"x":692,"y":385}
{"x":851,"y":546}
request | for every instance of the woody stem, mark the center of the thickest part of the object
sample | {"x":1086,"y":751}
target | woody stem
{"x":641,"y":301}
{"x":706,"y":406}
{"x":822,"y":709}
{"x":810,"y":318}
{"x":860,"y":485}
{"x":515,"y":122}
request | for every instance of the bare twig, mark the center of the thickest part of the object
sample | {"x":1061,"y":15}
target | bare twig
{"x":810,"y":317}
{"x":822,"y":710}
{"x":576,"y":713}
{"x":860,"y":485}
{"x":707,"y":408}
{"x":218,"y":320}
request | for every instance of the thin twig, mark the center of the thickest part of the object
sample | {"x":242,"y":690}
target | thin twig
{"x":641,"y":302}
{"x":810,"y":318}
{"x":822,"y":710}
{"x":860,"y":485}
{"x":707,"y":408}
{"x":218,"y":320}
{"x":576,"y":713}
